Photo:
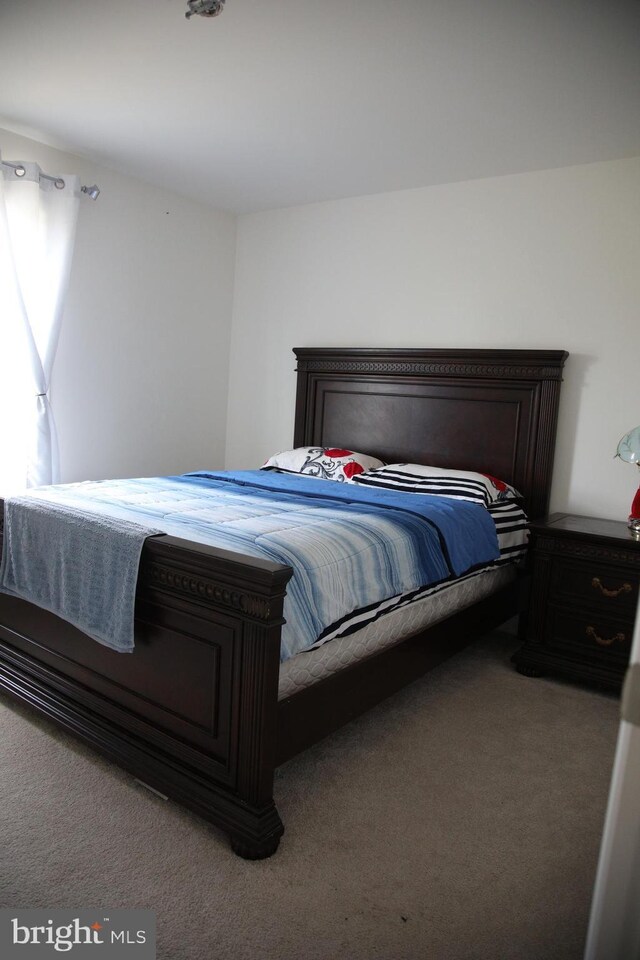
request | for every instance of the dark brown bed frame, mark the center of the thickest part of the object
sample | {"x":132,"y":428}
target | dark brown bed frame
{"x":194,"y":711}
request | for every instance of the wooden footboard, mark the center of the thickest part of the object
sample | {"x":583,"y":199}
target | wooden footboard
{"x":192,"y":711}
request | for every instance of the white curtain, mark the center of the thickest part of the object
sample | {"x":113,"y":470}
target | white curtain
{"x":37,"y":232}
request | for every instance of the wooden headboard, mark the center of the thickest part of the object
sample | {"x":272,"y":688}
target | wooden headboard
{"x":494,"y":411}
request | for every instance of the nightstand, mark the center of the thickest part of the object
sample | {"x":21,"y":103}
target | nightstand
{"x":584,"y":593}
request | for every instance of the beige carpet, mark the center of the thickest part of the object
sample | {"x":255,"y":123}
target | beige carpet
{"x":460,"y":820}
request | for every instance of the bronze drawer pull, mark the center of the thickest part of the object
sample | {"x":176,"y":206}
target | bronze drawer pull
{"x":603,"y":641}
{"x":597,"y":584}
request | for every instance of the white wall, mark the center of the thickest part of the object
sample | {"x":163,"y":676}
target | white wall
{"x":542,"y":260}
{"x":140,"y":381}
{"x":142,"y":378}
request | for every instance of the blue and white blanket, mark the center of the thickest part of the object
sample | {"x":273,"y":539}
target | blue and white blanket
{"x":349,"y":546}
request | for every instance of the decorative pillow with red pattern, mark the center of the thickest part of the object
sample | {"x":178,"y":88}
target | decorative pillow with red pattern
{"x":324,"y":463}
{"x":441,"y":482}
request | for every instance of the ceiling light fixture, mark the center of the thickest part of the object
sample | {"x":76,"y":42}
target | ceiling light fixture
{"x":204,"y":8}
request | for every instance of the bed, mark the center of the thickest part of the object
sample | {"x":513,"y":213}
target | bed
{"x":195,"y":712}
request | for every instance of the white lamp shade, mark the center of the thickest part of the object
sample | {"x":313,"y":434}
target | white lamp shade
{"x":629,"y":446}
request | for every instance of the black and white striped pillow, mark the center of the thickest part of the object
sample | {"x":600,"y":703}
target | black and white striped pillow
{"x":512,"y":528}
{"x":439,"y":481}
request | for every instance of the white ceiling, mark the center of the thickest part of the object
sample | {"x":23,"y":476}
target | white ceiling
{"x":284,"y":102}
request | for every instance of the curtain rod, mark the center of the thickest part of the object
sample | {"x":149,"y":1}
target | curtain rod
{"x":20,"y":171}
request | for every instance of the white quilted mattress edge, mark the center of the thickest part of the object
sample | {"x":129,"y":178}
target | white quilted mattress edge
{"x":310,"y":666}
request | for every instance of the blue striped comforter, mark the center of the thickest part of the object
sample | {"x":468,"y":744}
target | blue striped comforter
{"x":349,"y":546}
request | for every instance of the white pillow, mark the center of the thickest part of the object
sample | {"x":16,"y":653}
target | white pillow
{"x":326,"y":463}
{"x":440,"y":481}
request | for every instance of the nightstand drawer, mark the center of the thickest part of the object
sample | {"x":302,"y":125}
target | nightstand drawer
{"x":610,"y":588}
{"x":591,"y":636}
{"x":585,"y":574}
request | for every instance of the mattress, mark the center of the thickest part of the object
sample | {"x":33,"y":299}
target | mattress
{"x":311,"y":666}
